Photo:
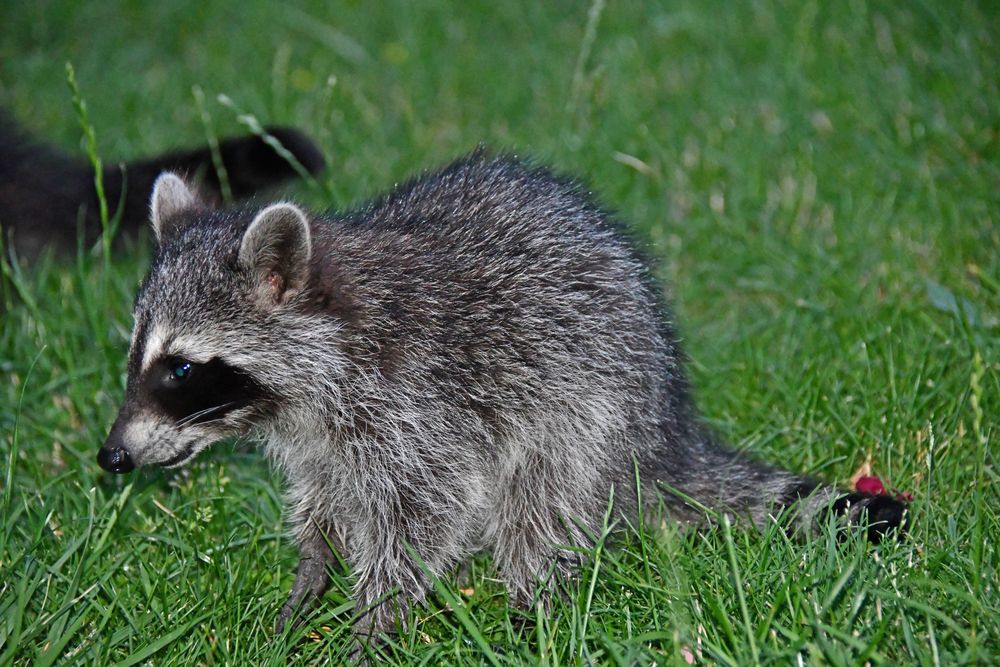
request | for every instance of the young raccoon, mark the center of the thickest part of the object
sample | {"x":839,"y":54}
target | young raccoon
{"x":473,"y":361}
{"x":43,"y":190}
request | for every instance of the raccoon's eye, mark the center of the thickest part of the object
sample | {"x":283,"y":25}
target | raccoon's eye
{"x":180,"y":370}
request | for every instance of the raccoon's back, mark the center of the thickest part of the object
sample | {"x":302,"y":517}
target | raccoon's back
{"x":508,"y":221}
{"x":500,"y":286}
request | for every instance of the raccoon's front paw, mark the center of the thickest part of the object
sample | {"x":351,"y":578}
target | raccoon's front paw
{"x":882,"y":515}
{"x":367,"y":650}
{"x":290,"y":618}
{"x":371,"y":637}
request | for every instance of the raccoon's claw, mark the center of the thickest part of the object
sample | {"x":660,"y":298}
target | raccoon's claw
{"x":287,"y":614}
{"x":305,"y":594}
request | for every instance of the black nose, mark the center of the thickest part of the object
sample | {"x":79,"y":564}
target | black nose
{"x":115,"y":459}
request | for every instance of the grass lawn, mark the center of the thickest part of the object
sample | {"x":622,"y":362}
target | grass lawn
{"x":820,"y":185}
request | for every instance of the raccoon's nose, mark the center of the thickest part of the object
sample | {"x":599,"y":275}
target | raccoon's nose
{"x":115,"y":459}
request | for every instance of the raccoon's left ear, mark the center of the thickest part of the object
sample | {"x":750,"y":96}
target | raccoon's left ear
{"x":276,"y":248}
{"x":171,"y":196}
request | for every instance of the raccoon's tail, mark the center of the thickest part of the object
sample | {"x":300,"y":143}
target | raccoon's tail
{"x":250,"y":165}
{"x":724,"y":481}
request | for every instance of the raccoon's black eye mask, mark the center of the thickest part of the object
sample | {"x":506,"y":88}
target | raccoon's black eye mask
{"x":194,"y":393}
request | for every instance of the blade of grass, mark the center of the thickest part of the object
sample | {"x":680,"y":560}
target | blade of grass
{"x":727,"y":533}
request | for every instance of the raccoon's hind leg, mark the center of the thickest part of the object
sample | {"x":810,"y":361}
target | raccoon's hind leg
{"x":726,"y":481}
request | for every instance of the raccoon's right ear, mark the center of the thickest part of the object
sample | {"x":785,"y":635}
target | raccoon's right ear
{"x":171,"y":195}
{"x":276,"y":248}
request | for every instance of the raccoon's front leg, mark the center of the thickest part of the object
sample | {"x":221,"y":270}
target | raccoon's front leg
{"x":396,"y":556}
{"x":312,"y":577}
{"x":384,"y":591}
{"x":530,"y":552}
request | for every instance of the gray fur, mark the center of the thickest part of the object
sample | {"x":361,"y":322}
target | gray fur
{"x":472,"y":362}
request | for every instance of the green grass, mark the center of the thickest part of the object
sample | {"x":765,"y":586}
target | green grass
{"x":818,"y":180}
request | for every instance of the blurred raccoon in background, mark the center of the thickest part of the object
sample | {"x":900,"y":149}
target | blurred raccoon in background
{"x":48,"y":198}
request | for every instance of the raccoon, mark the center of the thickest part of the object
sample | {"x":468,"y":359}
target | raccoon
{"x":473,"y":361}
{"x":44,"y":192}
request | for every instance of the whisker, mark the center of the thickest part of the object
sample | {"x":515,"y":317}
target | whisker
{"x":201,"y":413}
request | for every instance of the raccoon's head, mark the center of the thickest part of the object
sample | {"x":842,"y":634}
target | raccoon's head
{"x":205,"y":360}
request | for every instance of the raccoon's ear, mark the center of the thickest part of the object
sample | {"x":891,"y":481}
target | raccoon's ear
{"x":276,"y":248}
{"x":171,"y":195}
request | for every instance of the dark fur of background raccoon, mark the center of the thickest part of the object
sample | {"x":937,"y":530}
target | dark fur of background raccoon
{"x":44,"y":191}
{"x":473,"y":361}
